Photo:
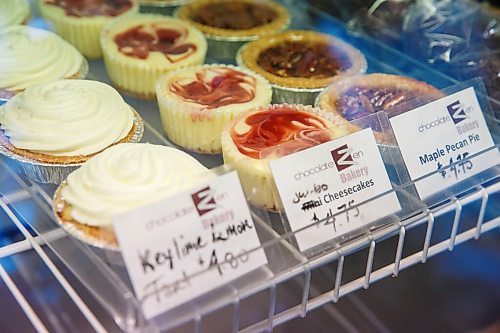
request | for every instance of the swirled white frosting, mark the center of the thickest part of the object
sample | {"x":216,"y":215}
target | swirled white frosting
{"x":13,"y":12}
{"x":29,"y":56}
{"x":66,"y":118}
{"x":126,"y":176}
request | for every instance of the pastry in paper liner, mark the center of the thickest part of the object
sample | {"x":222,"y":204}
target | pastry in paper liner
{"x":195,"y":122}
{"x":268,"y":133}
{"x":55,"y":173}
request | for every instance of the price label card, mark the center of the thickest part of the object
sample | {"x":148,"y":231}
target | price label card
{"x":328,"y":179}
{"x":169,"y":245}
{"x":441,"y":133}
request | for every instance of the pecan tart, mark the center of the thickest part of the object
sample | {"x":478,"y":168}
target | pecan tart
{"x":299,"y":64}
{"x":228,"y":24}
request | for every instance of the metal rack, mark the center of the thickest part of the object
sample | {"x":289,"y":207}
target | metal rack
{"x":103,"y":297}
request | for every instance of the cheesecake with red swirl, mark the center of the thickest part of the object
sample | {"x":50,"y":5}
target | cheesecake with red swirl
{"x":269,"y":133}
{"x":364,"y":95}
{"x":139,"y":49}
{"x":80,"y":22}
{"x":197,"y":103}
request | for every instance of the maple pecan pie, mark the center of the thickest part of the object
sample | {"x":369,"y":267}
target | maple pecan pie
{"x":299,"y":64}
{"x":228,"y":24}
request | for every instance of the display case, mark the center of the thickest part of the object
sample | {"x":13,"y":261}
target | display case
{"x":100,"y":297}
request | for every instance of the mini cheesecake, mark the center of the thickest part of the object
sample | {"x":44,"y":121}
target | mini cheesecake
{"x":22,"y":67}
{"x":363,"y":95}
{"x":268,"y":133}
{"x":299,"y":64}
{"x":197,"y":103}
{"x":139,"y":49}
{"x":228,"y":24}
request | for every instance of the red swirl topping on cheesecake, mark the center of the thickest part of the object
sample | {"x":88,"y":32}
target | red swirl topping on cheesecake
{"x":139,"y":41}
{"x":82,"y":8}
{"x":279,"y":132}
{"x":216,"y":87}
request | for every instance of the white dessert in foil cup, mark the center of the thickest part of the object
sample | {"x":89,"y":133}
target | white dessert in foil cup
{"x":50,"y":129}
{"x":30,"y":56}
{"x":196,"y":103}
{"x":123,"y":177}
{"x":139,"y":49}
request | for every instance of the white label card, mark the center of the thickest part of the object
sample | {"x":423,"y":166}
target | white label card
{"x":327,"y":179}
{"x":169,"y":245}
{"x":441,"y":133}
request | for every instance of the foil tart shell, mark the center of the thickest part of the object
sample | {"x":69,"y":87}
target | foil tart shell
{"x":54,"y":173}
{"x":109,"y":253}
{"x":221,"y":48}
{"x":160,"y":7}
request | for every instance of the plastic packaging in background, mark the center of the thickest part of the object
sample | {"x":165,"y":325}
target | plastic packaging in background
{"x":383,"y":19}
{"x":460,"y":38}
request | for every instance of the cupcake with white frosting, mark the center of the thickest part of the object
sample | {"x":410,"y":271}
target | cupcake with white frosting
{"x":196,"y":103}
{"x":30,"y":56}
{"x":123,"y":177}
{"x":13,"y":12}
{"x":50,"y":129}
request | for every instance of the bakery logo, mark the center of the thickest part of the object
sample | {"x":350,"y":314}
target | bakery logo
{"x":204,"y":201}
{"x":457,"y":112}
{"x":342,"y":156}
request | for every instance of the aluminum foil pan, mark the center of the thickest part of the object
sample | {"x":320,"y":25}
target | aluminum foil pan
{"x":160,"y":7}
{"x":54,"y":173}
{"x":109,"y":253}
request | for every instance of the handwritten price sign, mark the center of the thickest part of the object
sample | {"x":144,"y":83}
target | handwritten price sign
{"x":323,"y":184}
{"x":441,"y":136}
{"x":188,"y":244}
